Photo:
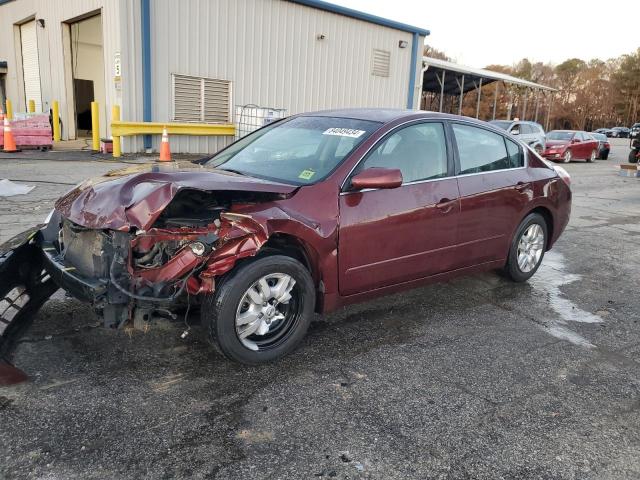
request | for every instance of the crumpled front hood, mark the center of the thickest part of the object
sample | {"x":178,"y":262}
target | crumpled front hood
{"x":135,"y":196}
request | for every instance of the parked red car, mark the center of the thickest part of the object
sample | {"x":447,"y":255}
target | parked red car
{"x":568,"y":145}
{"x":309,"y":213}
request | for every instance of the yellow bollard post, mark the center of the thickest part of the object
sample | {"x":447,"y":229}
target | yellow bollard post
{"x":115,"y":117}
{"x":9,"y":110}
{"x":95,"y":126}
{"x":32,"y":106}
{"x":56,"y":121}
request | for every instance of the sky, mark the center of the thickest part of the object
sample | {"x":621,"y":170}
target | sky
{"x":485,"y":32}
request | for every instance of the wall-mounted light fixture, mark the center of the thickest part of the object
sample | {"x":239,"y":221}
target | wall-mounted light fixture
{"x":40,"y":22}
{"x":320,"y":36}
{"x":403,"y":44}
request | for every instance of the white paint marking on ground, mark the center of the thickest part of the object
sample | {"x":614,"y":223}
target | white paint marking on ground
{"x":9,"y":188}
{"x":549,"y":278}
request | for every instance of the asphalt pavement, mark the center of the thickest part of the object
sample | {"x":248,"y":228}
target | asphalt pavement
{"x":473,"y":378}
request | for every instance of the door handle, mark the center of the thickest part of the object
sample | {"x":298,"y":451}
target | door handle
{"x":521,"y":186}
{"x":445,"y":205}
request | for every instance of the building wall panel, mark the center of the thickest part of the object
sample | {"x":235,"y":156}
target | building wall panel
{"x":270,"y":51}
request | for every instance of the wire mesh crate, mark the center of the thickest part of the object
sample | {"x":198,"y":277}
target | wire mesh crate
{"x":252,"y":117}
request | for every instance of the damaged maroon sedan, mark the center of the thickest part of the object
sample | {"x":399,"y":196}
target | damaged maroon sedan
{"x":307,"y":214}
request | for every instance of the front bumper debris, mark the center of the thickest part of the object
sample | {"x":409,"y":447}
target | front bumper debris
{"x":24,"y":286}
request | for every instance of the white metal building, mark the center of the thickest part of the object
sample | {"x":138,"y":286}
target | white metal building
{"x":198,"y":60}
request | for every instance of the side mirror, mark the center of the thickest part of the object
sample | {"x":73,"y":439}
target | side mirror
{"x":376,"y":177}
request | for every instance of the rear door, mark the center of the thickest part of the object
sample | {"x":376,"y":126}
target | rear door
{"x":584,"y":147}
{"x":494,"y":191}
{"x":397,"y":235}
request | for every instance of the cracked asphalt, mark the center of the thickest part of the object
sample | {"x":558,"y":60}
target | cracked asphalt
{"x":473,"y":378}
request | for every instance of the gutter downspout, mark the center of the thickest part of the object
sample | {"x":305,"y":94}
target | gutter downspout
{"x":145,"y":14}
{"x":412,"y":69}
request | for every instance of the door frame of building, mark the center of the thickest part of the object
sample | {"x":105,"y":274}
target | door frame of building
{"x":67,"y":52}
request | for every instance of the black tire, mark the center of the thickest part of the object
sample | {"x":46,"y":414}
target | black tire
{"x":632,"y":157}
{"x":512,"y":269}
{"x":604,"y":156}
{"x":219,"y":309}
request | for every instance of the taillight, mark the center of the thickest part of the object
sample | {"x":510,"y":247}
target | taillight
{"x":563,"y":174}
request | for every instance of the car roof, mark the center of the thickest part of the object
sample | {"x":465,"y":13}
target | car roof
{"x":385,"y":115}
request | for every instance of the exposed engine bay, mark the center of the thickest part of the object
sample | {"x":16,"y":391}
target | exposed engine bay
{"x":139,"y":273}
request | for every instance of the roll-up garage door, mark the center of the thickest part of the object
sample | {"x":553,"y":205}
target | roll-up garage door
{"x":30,"y":64}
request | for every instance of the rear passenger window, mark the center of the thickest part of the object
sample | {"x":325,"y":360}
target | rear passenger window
{"x":516,"y":158}
{"x":480,"y":150}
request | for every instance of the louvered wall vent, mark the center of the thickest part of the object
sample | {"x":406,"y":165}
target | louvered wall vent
{"x":380,"y":62}
{"x":198,"y":99}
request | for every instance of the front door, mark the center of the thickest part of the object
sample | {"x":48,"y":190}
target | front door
{"x":392,"y":236}
{"x":494,"y":191}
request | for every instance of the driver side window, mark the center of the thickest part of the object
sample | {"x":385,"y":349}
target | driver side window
{"x":419,"y":151}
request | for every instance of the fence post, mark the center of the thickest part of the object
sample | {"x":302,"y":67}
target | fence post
{"x":56,"y":120}
{"x":95,"y":126}
{"x":115,"y":117}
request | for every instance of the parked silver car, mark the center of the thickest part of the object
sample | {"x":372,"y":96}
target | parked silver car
{"x":530,"y":133}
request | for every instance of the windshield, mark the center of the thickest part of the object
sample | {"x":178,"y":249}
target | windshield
{"x":299,"y":151}
{"x":559,"y":135}
{"x":599,"y":136}
{"x":503,"y":124}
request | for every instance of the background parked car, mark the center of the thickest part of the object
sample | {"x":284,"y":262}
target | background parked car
{"x":620,"y":132}
{"x":567,"y":145}
{"x":635,"y":130}
{"x":604,"y":131}
{"x":530,"y":133}
{"x":604,"y":147}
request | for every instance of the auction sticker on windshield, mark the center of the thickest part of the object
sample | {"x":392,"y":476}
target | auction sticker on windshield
{"x":343,"y":132}
{"x":306,"y":174}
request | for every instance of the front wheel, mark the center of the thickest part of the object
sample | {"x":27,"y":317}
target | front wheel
{"x":567,"y":157}
{"x":261,"y":310}
{"x":527,"y":248}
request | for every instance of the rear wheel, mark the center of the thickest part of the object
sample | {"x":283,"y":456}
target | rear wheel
{"x":527,"y":248}
{"x":261,"y":310}
{"x":567,"y":157}
{"x":593,"y":156}
{"x":632,"y":157}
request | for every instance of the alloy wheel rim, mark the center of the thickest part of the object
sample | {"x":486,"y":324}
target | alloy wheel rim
{"x":567,"y":157}
{"x":593,"y":155}
{"x":267,"y":312}
{"x":530,"y":248}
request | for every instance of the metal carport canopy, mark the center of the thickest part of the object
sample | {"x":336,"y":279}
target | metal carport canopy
{"x":434,"y":68}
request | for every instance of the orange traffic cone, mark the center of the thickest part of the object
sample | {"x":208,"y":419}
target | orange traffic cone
{"x":9,"y":142}
{"x":165,"y":152}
